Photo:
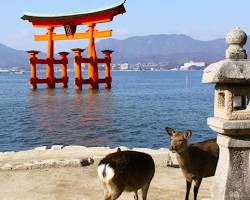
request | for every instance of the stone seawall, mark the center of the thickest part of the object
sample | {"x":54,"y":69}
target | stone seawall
{"x":72,"y":156}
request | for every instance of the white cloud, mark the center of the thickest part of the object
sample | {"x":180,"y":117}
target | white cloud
{"x":120,"y":33}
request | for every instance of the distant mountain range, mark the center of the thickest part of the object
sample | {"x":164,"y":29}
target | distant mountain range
{"x":171,"y":49}
{"x":10,"y":57}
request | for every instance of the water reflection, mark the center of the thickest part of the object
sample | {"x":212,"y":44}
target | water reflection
{"x":71,"y":118}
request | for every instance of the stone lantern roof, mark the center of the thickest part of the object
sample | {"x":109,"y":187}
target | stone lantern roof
{"x":235,"y":68}
{"x":227,"y":71}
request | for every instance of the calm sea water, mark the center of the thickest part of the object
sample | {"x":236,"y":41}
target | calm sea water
{"x":133,"y":113}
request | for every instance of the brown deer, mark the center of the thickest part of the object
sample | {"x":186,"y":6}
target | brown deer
{"x":126,"y":171}
{"x":197,"y":160}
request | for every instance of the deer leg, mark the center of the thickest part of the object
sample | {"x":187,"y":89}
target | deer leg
{"x":116,"y":190}
{"x":188,"y":186}
{"x":197,"y":184}
{"x":107,"y":196}
{"x":144,"y":191}
{"x":115,"y":194}
{"x":106,"y":189}
{"x":136,"y":195}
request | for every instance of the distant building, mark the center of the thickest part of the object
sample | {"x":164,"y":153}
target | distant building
{"x":115,"y":67}
{"x":137,"y":67}
{"x":124,"y":66}
{"x":192,"y":65}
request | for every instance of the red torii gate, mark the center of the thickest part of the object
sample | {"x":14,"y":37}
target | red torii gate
{"x":70,"y":23}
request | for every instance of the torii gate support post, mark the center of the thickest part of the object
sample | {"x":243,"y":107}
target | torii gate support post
{"x":64,"y":68}
{"x":78,"y":68}
{"x":50,"y":66}
{"x":33,"y":77}
{"x":107,"y":57}
{"x":92,"y":66}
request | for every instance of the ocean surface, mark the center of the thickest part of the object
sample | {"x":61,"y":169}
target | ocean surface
{"x":133,"y":113}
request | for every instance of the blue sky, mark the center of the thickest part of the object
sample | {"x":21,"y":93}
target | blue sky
{"x":200,"y":19}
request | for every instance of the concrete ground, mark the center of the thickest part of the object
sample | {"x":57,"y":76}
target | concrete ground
{"x":82,"y":183}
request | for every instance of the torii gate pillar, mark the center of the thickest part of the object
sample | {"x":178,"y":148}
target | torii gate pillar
{"x":50,"y":67}
{"x":92,"y":66}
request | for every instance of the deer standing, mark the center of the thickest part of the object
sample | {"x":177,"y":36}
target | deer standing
{"x":197,"y":160}
{"x":126,"y":171}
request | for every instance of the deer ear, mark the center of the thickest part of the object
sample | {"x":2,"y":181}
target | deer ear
{"x":188,"y":134}
{"x":170,"y":131}
{"x":118,"y":149}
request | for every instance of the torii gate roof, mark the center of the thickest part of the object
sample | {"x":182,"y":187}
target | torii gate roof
{"x":76,"y":18}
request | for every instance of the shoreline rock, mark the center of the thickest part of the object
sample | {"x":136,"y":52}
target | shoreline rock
{"x":73,"y":156}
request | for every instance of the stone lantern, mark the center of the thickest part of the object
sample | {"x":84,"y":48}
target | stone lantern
{"x":231,"y":119}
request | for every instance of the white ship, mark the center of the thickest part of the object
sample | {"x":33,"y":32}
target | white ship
{"x":192,"y":65}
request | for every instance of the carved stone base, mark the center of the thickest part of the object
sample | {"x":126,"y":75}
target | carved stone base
{"x":232,"y":175}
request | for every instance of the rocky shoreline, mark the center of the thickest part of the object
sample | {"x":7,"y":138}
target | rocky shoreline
{"x":72,"y":156}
